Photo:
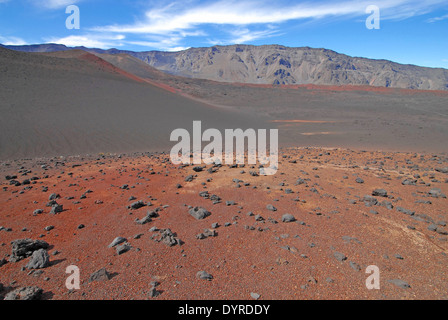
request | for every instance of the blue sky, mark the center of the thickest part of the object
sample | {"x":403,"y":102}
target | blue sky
{"x":411,"y":31}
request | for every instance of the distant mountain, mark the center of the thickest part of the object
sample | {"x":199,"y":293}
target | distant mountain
{"x":274,"y":64}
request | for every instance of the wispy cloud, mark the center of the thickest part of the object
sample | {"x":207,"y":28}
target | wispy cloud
{"x":177,"y":16}
{"x":435,"y":19}
{"x":167,"y":26}
{"x":246,"y":35}
{"x":165,"y":44}
{"x":244,"y":19}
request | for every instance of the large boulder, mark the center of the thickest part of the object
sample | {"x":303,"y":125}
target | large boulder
{"x":23,"y":248}
{"x":39,"y":260}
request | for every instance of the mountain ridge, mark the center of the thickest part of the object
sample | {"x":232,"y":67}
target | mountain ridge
{"x":277,"y":64}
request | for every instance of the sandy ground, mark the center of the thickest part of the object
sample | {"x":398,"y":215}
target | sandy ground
{"x":360,"y":117}
{"x":81,"y":105}
{"x":74,"y":103}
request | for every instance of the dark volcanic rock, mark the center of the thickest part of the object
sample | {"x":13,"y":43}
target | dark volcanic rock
{"x":169,"y":238}
{"x":387,"y":204}
{"x":39,"y":260}
{"x":355,"y":266}
{"x":409,"y":182}
{"x":340,"y":256}
{"x":57,"y":208}
{"x":26,"y":293}
{"x":123,"y":248}
{"x":117,"y":241}
{"x":379,"y":193}
{"x":100,"y":275}
{"x":146,"y":219}
{"x":137,"y":205}
{"x":288,"y":218}
{"x":442,"y":170}
{"x":204,"y":275}
{"x":400,"y":283}
{"x":24,"y":248}
{"x":153,"y":292}
{"x":436,"y":193}
{"x":405,"y":211}
{"x":359,"y":180}
{"x":53,"y":196}
{"x":207,"y":233}
{"x":199,"y":213}
{"x":369,"y":201}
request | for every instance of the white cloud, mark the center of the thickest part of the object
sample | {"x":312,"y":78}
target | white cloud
{"x":164,"y":43}
{"x":176,"y":16}
{"x":244,"y":35}
{"x":238,"y":21}
{"x":171,"y":19}
{"x":435,"y":19}
{"x":12,"y":41}
{"x":241,"y":20}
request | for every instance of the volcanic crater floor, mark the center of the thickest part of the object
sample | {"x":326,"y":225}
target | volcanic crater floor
{"x":352,"y":209}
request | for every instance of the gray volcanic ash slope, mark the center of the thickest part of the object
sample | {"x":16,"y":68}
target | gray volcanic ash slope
{"x":81,"y":104}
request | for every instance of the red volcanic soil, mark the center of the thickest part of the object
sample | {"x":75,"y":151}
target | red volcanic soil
{"x":253,"y":251}
{"x":98,"y":63}
{"x":161,"y":85}
{"x":108,"y":66}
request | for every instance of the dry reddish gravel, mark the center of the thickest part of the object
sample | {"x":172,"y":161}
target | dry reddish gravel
{"x":329,"y":208}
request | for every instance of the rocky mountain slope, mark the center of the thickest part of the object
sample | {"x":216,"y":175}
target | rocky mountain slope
{"x":274,"y":64}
